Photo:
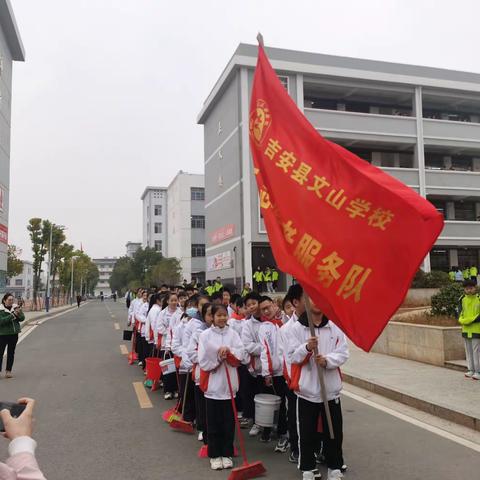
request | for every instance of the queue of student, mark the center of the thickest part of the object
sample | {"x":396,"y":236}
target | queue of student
{"x":218,"y":339}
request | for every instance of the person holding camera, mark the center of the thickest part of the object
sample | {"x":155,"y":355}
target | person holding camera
{"x":21,"y":463}
{"x":10,"y":317}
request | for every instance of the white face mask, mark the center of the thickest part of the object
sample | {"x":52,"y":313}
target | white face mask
{"x":191,"y":311}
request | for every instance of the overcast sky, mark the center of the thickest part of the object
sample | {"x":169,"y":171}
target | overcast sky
{"x":107,"y":100}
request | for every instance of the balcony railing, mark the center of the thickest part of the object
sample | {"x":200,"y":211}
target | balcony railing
{"x":457,"y":232}
{"x":448,"y":133}
{"x":449,"y":182}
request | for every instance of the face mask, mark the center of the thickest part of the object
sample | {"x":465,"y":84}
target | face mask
{"x":191,"y":311}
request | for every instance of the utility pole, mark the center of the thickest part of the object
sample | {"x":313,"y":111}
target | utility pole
{"x":71,"y":285}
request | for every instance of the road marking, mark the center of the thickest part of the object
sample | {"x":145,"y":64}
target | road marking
{"x":142,"y":395}
{"x":116,"y":326}
{"x":124,"y":349}
{"x":414,"y":421}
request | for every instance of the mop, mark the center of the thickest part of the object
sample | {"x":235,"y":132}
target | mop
{"x":179,"y":423}
{"x":247,"y":470}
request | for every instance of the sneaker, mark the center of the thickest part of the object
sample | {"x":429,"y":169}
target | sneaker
{"x":265,"y":438}
{"x":254,"y":431}
{"x":282,"y":445}
{"x":8,"y":375}
{"x":227,"y":462}
{"x":140,"y":364}
{"x":245,"y":422}
{"x":320,"y":458}
{"x":175,"y":395}
{"x":168,"y":396}
{"x":469,"y":374}
{"x":334,"y":474}
{"x":344,"y":468}
{"x":216,"y":463}
{"x":293,"y":457}
{"x":312,"y":475}
{"x":475,"y":376}
{"x":200,"y":436}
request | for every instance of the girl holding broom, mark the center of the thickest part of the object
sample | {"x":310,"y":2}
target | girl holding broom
{"x":220,"y":348}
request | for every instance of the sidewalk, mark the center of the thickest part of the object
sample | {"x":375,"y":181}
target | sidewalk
{"x":31,"y":317}
{"x":439,"y":391}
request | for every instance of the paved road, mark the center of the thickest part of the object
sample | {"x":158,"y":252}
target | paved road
{"x":89,"y":423}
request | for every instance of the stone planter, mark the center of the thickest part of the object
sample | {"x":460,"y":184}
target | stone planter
{"x":423,"y":343}
{"x":420,"y":295}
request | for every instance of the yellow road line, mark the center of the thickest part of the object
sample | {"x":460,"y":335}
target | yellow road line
{"x":142,"y":395}
{"x":124,"y":349}
{"x":116,"y":325}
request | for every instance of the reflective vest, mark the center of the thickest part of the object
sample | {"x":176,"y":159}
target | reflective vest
{"x":267,"y":275}
{"x":452,"y":276}
{"x":210,"y":289}
{"x":258,"y":276}
{"x":274,"y":275}
{"x":473,"y":271}
{"x":217,"y":286}
{"x":466,"y":273}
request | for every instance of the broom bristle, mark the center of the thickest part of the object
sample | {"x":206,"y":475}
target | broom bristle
{"x":203,"y":452}
{"x":247,"y":471}
{"x":182,"y":426}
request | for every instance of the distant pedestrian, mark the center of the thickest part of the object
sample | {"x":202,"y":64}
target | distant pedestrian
{"x":258,"y":280}
{"x":459,"y":275}
{"x":128,"y":298}
{"x":114,"y":296}
{"x":267,"y":277}
{"x":10,"y":317}
{"x":218,"y":285}
{"x":246,"y":289}
{"x":469,"y":319}
{"x":275,"y":277}
{"x":474,"y":273}
{"x":79,"y":300}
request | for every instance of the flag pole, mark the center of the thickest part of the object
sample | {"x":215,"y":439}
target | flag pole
{"x":260,"y":40}
{"x":320,"y":370}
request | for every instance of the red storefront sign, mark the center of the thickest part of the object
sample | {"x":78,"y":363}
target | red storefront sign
{"x":222,"y":233}
{"x":3,"y":234}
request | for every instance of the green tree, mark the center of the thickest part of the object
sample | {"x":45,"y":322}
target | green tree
{"x":37,"y":229}
{"x":143,"y":260}
{"x":14,"y":264}
{"x":122,"y":275}
{"x":168,"y":271}
{"x":58,"y":239}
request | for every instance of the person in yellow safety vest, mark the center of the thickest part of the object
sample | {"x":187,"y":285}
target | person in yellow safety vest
{"x":258,"y":278}
{"x":466,"y":273}
{"x":209,"y":288}
{"x":246,"y":289}
{"x":275,"y":277}
{"x":451,"y":274}
{"x":267,"y":277}
{"x":468,"y":312}
{"x":218,"y":285}
{"x":473,"y":273}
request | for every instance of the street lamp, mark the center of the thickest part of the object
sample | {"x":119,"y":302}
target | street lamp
{"x":71,"y":282}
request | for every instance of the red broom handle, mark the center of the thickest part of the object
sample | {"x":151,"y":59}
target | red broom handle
{"x":237,"y":422}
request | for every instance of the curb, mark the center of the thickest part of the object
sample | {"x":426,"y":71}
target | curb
{"x":49,"y":314}
{"x":423,"y":405}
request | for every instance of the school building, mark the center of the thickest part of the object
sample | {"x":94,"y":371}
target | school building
{"x":419,"y":124}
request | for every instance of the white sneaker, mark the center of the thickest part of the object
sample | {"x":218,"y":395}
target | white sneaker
{"x":227,"y":462}
{"x":175,"y":395}
{"x":254,"y":431}
{"x":200,"y":436}
{"x":168,"y":396}
{"x":469,"y":374}
{"x":476,"y":376}
{"x":216,"y":463}
{"x":334,"y":474}
{"x":312,"y":475}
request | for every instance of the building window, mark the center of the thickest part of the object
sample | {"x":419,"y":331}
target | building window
{"x":18,"y":282}
{"x":7,"y":281}
{"x":157,"y":194}
{"x":198,"y":221}
{"x":198,"y":249}
{"x":197,"y":193}
{"x":157,"y":227}
{"x":158,"y":245}
{"x":157,"y":210}
{"x":284,"y":80}
{"x":465,"y":211}
{"x":439,"y":259}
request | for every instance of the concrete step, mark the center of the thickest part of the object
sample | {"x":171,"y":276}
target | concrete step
{"x":459,"y":365}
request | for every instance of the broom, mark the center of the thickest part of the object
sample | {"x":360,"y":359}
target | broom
{"x":247,"y":470}
{"x":131,"y":355}
{"x":173,"y":413}
{"x":179,"y":423}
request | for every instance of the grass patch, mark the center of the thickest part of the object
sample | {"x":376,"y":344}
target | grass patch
{"x":425,"y":318}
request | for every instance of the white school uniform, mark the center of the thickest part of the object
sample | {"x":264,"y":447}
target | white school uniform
{"x":252,"y":344}
{"x":166,"y":324}
{"x":177,"y":343}
{"x":271,"y":356}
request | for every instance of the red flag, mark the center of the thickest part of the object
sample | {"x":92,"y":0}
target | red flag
{"x":351,"y":234}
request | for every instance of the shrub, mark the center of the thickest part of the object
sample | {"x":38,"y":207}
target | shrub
{"x":435,"y":279}
{"x":446,"y":300}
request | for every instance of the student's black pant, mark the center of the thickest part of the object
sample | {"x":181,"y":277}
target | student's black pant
{"x":144,"y":350}
{"x":201,"y":413}
{"x":9,"y":341}
{"x":292,"y":421}
{"x":311,"y":421}
{"x":252,"y":386}
{"x":189,"y":413}
{"x":221,"y":428}
{"x":279,"y":388}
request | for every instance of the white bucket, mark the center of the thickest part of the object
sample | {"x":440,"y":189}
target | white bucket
{"x":168,"y":366}
{"x":267,"y":409}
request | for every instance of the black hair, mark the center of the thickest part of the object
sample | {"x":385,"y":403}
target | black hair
{"x":469,"y":283}
{"x":182,"y":293}
{"x":295,"y":292}
{"x":234,"y":297}
{"x":216,"y":296}
{"x":265,"y":298}
{"x":252,"y":296}
{"x":189,"y":287}
{"x":239,"y":302}
{"x":226,"y":289}
{"x":163,"y":285}
{"x":8,"y":294}
{"x":205,"y":307}
{"x":193,"y":300}
{"x":217,"y":307}
{"x":153,"y":300}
